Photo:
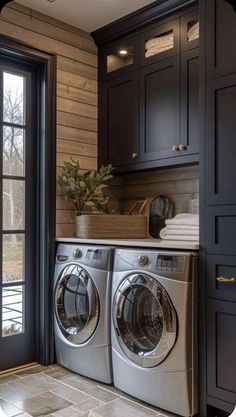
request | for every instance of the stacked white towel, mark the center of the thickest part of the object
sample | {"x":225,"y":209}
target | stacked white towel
{"x":159,"y":44}
{"x":184,"y":226}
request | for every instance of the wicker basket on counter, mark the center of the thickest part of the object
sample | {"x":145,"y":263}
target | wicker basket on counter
{"x":113,"y":226}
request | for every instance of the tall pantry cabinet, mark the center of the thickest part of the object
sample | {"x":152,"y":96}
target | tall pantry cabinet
{"x":218,"y":152}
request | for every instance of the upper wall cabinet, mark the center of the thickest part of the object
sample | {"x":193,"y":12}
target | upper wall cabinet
{"x":159,"y":117}
{"x":220,"y":39}
{"x":148,"y":96}
{"x":160,"y":42}
{"x":119,"y":144}
{"x":120,"y":57}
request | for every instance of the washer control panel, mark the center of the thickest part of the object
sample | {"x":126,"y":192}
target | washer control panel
{"x":170,"y":263}
{"x":94,"y":257}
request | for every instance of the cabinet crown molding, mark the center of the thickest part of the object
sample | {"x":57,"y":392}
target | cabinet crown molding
{"x":138,"y":19}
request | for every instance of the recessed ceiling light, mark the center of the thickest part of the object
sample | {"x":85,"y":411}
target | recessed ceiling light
{"x":51,"y":1}
{"x":123,"y":52}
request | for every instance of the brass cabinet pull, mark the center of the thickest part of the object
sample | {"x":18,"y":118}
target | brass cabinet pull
{"x":175,"y":148}
{"x":183,"y":147}
{"x":226,"y":280}
{"x":134,"y":155}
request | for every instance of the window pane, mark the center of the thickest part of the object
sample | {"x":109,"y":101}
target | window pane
{"x":13,"y":98}
{"x":12,"y":310}
{"x":13,"y":204}
{"x":13,"y":257}
{"x":13,"y":151}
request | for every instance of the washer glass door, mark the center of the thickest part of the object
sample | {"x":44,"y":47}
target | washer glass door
{"x":76,"y":304}
{"x":144,"y":319}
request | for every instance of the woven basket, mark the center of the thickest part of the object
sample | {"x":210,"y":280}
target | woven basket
{"x":113,"y":226}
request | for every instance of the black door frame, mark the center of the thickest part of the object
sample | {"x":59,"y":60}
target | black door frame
{"x":45,"y":64}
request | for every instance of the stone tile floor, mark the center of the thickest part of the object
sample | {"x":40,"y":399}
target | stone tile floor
{"x":56,"y":392}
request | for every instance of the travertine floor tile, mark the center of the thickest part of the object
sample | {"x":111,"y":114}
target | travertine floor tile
{"x":101,"y":394}
{"x":121,"y":408}
{"x":8,"y":408}
{"x":27,"y":387}
{"x":88,"y":405}
{"x":43,"y":404}
{"x":57,"y":372}
{"x":71,"y":394}
{"x":78,"y":382}
{"x":4,"y":379}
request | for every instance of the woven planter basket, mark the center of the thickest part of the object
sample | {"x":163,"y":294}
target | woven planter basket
{"x":112,"y":226}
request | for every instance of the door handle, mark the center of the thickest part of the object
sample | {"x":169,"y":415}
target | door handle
{"x":134,"y":155}
{"x":226,"y":280}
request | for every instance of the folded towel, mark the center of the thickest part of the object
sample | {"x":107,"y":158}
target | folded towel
{"x":181,"y":237}
{"x":193,"y":32}
{"x":176,"y":231}
{"x":160,"y":41}
{"x":182,"y":227}
{"x":184,"y":219}
{"x":154,"y":51}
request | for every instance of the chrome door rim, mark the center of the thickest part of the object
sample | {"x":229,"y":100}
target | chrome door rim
{"x":92,"y":321}
{"x":168,"y":338}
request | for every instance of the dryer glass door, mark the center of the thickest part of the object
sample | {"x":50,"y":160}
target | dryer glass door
{"x":77,"y":304}
{"x":145,"y":320}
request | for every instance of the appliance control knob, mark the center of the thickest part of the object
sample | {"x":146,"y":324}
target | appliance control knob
{"x":77,"y":253}
{"x":143,"y":260}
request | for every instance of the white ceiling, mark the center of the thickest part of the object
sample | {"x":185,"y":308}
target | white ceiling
{"x":88,"y":15}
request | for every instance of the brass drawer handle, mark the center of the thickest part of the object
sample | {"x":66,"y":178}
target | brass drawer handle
{"x":183,"y":147}
{"x":226,"y":280}
{"x":175,"y":148}
{"x":134,"y":155}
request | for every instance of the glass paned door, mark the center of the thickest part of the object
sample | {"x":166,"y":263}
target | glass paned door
{"x":18,"y":218}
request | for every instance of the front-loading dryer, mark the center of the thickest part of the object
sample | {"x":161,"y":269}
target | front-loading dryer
{"x":82,"y":286}
{"x":154,"y":328}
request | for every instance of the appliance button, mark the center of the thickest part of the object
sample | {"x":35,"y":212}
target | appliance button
{"x":143,"y":260}
{"x":77,"y":253}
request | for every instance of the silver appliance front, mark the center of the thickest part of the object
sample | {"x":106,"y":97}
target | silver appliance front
{"x":145,"y":320}
{"x":82,"y":285}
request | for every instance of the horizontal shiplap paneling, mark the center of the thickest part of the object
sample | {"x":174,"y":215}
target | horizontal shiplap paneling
{"x":76,"y":90}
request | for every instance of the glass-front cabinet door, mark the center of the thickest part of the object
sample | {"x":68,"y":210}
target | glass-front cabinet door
{"x":160,"y":42}
{"x":190,"y":31}
{"x":17,"y":222}
{"x":121,"y":57}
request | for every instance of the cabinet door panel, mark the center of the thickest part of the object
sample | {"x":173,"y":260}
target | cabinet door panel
{"x":221,"y":141}
{"x":221,"y":348}
{"x":159,"y":118}
{"x":190,"y":101}
{"x":121,"y":119}
{"x":221,"y":266}
{"x":221,"y":230}
{"x":220,"y":39}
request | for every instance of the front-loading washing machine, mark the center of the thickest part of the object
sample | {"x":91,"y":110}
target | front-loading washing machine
{"x":154,"y":325}
{"x":82,"y":285}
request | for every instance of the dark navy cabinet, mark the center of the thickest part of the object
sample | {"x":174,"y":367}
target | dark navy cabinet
{"x":159,"y":109}
{"x":119,"y":144}
{"x":218,"y":205}
{"x":149,"y":94}
{"x":220,"y":39}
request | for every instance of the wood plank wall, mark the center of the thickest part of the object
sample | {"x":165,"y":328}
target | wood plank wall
{"x":76,"y":89}
{"x":180,"y":184}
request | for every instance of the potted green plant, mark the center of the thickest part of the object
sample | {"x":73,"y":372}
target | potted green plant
{"x":85,"y":190}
